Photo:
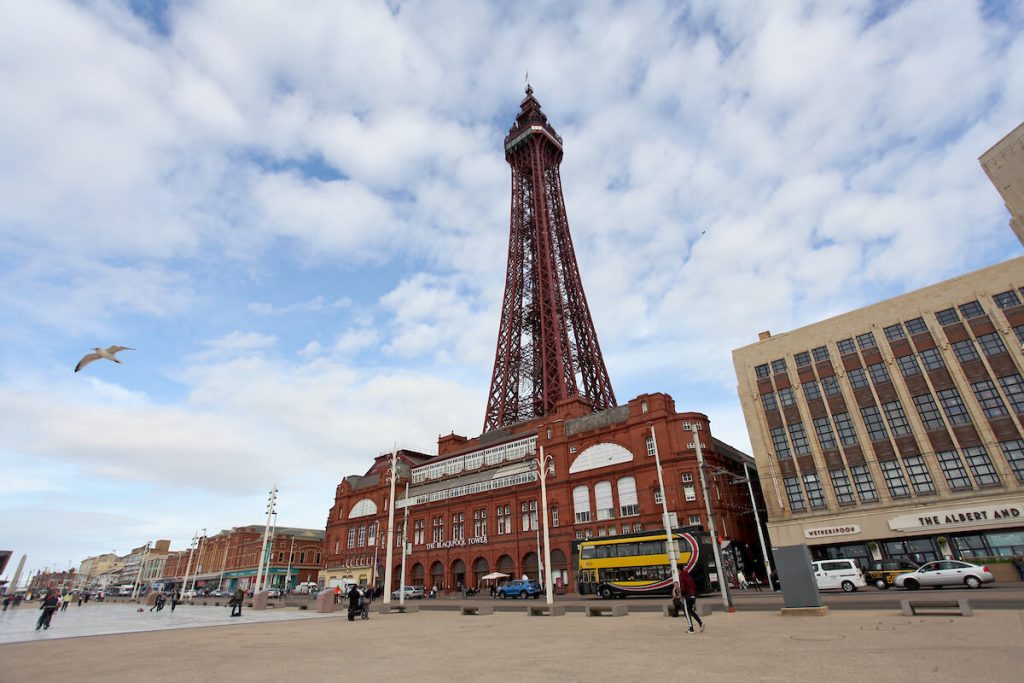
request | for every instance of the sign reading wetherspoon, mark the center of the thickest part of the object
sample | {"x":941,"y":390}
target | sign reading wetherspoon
{"x":832,"y":531}
{"x":972,"y":516}
{"x":455,"y":543}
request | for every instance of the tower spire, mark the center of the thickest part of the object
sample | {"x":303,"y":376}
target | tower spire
{"x":547,"y":347}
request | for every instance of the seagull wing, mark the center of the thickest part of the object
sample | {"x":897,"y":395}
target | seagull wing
{"x":115,"y":349}
{"x":86,"y":359}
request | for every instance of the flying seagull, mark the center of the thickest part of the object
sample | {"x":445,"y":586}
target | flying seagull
{"x":107,"y":353}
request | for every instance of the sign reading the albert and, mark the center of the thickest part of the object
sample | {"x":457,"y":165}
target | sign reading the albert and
{"x":972,"y":516}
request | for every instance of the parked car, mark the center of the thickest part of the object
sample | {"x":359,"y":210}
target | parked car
{"x":845,"y":574}
{"x":882,"y":573}
{"x":273,"y":593}
{"x":945,"y":573}
{"x":410,"y":592}
{"x":520,"y":589}
{"x":220,"y":593}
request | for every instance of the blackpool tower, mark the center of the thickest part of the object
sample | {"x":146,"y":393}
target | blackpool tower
{"x":547,"y":348}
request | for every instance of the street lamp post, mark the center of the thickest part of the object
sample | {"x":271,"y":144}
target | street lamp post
{"x":271,"y":501}
{"x":288,"y":574}
{"x":723,"y":580}
{"x":138,"y":574}
{"x":545,"y":464}
{"x":757,"y":523}
{"x":199,"y":559}
{"x":188,"y":567}
{"x":669,"y":543}
{"x":405,"y":541}
{"x":393,"y":472}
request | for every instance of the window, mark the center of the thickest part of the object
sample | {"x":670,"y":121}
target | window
{"x":786,"y":397}
{"x":929,"y":412}
{"x":1019,"y":331}
{"x":762,"y":371}
{"x":947,"y":317}
{"x":857,"y":378}
{"x":932,"y":359}
{"x":989,"y":399}
{"x":629,"y":505}
{"x":528,"y":518}
{"x":864,"y":483}
{"x":971,"y":309}
{"x":419,"y":531}
{"x":649,"y":441}
{"x":480,"y":523}
{"x":965,"y":350}
{"x":437,"y":535}
{"x":769,"y":401}
{"x":690,"y":493}
{"x":337,"y":546}
{"x":780,"y":443}
{"x":841,"y":485}
{"x":953,"y":470}
{"x":820,"y":354}
{"x":811,"y":390}
{"x":846,"y":347}
{"x":894,"y":332}
{"x":831,"y":385}
{"x":795,"y":494}
{"x":687,"y":477}
{"x":908,"y":365}
{"x":643,"y":407}
{"x":799,"y":438}
{"x":954,"y":407}
{"x":694,"y":520}
{"x":603,"y":500}
{"x":894,"y":480}
{"x":825,"y":436}
{"x":779,"y":366}
{"x":991,"y":344}
{"x":351,"y":537}
{"x":1006,"y":299}
{"x":657,"y":497}
{"x":581,"y":504}
{"x":879,"y":373}
{"x":1013,"y":387}
{"x":847,"y":435}
{"x":916,"y":326}
{"x":920,"y":478}
{"x":981,"y":466}
{"x":815,"y":494}
{"x":802,"y":359}
{"x":554,"y":515}
{"x":1014,"y":452}
{"x":896,"y":417}
{"x":459,"y":525}
{"x":866,"y":340}
{"x":873,"y":421}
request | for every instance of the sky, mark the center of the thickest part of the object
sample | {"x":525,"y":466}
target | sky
{"x":297,"y":214}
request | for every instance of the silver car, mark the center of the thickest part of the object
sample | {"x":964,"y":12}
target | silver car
{"x":945,"y":573}
{"x":410,"y":592}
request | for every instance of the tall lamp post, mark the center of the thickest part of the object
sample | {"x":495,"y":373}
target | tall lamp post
{"x":188,"y":567}
{"x":669,"y":543}
{"x":138,"y":575}
{"x":393,"y":474}
{"x":723,"y":580}
{"x":199,"y":560}
{"x":405,"y":541}
{"x":271,"y":502}
{"x":757,"y":523}
{"x":545,"y":464}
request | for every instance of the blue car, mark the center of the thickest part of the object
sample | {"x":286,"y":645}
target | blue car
{"x":520,"y":589}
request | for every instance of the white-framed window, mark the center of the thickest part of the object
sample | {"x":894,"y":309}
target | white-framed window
{"x":637,"y":527}
{"x":601,"y":532}
{"x":554,"y":515}
{"x":437,"y":535}
{"x":643,"y":407}
{"x":352,"y":537}
{"x":504,"y":519}
{"x":529,"y":515}
{"x":690,"y":492}
{"x":687,"y":477}
{"x":629,"y":506}
{"x":458,"y":526}
{"x":603,"y":500}
{"x":694,"y":520}
{"x":657,"y":496}
{"x":419,"y":531}
{"x":579,"y":534}
{"x":581,"y":504}
{"x":480,"y":523}
{"x":572,"y":448}
{"x":649,"y":440}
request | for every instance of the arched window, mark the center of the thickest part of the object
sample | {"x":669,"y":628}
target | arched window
{"x":603,"y":499}
{"x":628,"y":504}
{"x":363,"y":508}
{"x":581,"y":504}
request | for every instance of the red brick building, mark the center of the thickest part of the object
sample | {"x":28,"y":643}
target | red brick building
{"x":474,"y":507}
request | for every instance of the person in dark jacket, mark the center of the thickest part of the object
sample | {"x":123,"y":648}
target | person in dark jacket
{"x":49,"y":605}
{"x":353,"y":602}
{"x":236,"y":603}
{"x":685,"y":596}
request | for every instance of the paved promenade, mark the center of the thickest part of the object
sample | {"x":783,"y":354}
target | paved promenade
{"x":443,"y":646}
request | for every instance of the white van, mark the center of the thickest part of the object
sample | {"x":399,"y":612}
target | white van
{"x":845,"y":574}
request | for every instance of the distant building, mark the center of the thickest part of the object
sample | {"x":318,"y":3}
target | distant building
{"x":895,"y":430}
{"x":1004,"y":166}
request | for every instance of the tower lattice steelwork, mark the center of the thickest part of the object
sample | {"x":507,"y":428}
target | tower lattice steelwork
{"x":547,"y":347}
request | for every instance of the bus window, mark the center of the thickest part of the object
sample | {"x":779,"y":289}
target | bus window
{"x":588,"y":552}
{"x":651,"y":548}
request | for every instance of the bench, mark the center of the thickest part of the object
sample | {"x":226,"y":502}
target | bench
{"x":396,"y":608}
{"x":545,"y":611}
{"x":959,"y":606}
{"x":473,"y":610}
{"x":611,"y":610}
{"x":669,"y":610}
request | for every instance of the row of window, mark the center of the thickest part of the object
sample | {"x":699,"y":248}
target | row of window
{"x":902,"y":478}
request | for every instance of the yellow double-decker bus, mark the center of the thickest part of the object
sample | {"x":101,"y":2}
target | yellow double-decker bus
{"x":637,"y":564}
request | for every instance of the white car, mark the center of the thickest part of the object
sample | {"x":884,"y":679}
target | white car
{"x":945,"y":573}
{"x":845,"y":574}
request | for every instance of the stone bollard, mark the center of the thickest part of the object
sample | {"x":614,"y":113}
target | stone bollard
{"x":151,"y":599}
{"x":325,"y":602}
{"x":259,"y":600}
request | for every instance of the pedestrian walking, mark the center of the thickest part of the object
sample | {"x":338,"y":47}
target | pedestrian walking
{"x":236,"y":602}
{"x":353,"y":602}
{"x":364,"y":605}
{"x":80,"y":598}
{"x":685,"y":599}
{"x":175,"y":599}
{"x":50,"y":604}
{"x":755,"y":582}
{"x":741,"y":579}
{"x":65,"y":599}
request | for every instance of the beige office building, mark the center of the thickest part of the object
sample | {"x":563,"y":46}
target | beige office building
{"x":896,"y":430}
{"x":1004,"y":166}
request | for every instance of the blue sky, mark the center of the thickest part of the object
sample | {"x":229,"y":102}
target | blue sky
{"x":297,"y":213}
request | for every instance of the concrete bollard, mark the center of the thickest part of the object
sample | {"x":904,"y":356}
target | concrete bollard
{"x":259,"y":601}
{"x":325,"y":602}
